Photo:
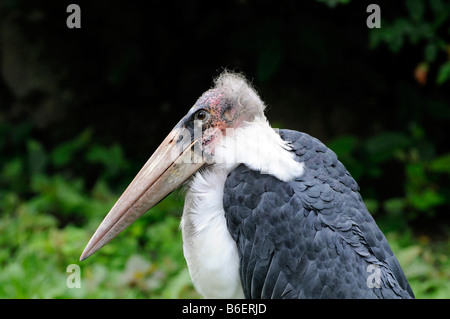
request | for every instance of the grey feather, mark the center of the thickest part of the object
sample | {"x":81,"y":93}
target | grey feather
{"x":309,"y":238}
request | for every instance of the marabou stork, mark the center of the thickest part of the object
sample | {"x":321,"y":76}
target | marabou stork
{"x":268,"y":214}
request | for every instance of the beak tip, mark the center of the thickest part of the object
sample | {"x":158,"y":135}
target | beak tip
{"x":83,"y":256}
{"x":86,"y":254}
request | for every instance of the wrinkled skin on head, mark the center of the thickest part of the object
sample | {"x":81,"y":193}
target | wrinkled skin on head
{"x":210,"y":117}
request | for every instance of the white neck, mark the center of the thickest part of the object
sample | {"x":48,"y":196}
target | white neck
{"x":260,"y":147}
{"x":209,"y":249}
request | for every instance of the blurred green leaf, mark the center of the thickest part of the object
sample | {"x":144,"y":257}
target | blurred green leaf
{"x":64,"y":153}
{"x":178,"y":284}
{"x":383,"y":146}
{"x":441,"y":164}
{"x":431,"y":51}
{"x":394,"y":205}
{"x":111,"y":158}
{"x":426,"y":199}
{"x":392,"y":34}
{"x":333,"y":3}
{"x":410,"y":254}
{"x":372,"y":205}
{"x":437,"y":6}
{"x":443,"y":73}
{"x":37,"y":157}
{"x":416,"y":9}
{"x":13,"y":170}
{"x":343,"y":145}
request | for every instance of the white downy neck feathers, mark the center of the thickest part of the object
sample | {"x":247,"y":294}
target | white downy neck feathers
{"x":214,"y":264}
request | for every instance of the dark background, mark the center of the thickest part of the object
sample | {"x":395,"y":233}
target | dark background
{"x":378,"y":97}
{"x":136,"y":67}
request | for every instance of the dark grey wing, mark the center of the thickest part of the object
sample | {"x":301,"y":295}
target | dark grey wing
{"x":309,"y":238}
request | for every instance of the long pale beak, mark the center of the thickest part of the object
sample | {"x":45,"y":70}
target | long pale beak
{"x":168,"y":167}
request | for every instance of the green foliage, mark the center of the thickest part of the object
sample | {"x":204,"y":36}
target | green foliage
{"x":423,"y":26}
{"x":424,"y":190}
{"x":444,"y":73}
{"x":48,"y":213}
{"x":424,"y":196}
{"x":426,"y":264}
{"x":333,"y":3}
{"x":441,"y":164}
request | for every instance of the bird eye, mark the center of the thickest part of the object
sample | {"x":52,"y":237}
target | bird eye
{"x":202,"y":115}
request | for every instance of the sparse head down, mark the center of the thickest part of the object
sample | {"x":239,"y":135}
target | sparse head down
{"x":230,"y":104}
{"x":231,"y":101}
{"x":239,"y":92}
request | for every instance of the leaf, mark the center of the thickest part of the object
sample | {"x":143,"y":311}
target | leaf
{"x":437,"y":6}
{"x":343,"y":145}
{"x":416,"y":9}
{"x":441,"y":164}
{"x":177,"y":285}
{"x":431,"y":51}
{"x":426,"y":200}
{"x":443,"y":73}
{"x":37,"y":157}
{"x":394,"y":205}
{"x":66,"y":151}
{"x":372,"y":205}
{"x":111,"y":158}
{"x":409,"y":254}
{"x":394,"y":34}
{"x":333,"y":3}
{"x":13,"y":170}
{"x":383,"y":146}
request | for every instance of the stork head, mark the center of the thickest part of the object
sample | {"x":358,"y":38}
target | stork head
{"x":227,"y":106}
{"x":231,"y":103}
